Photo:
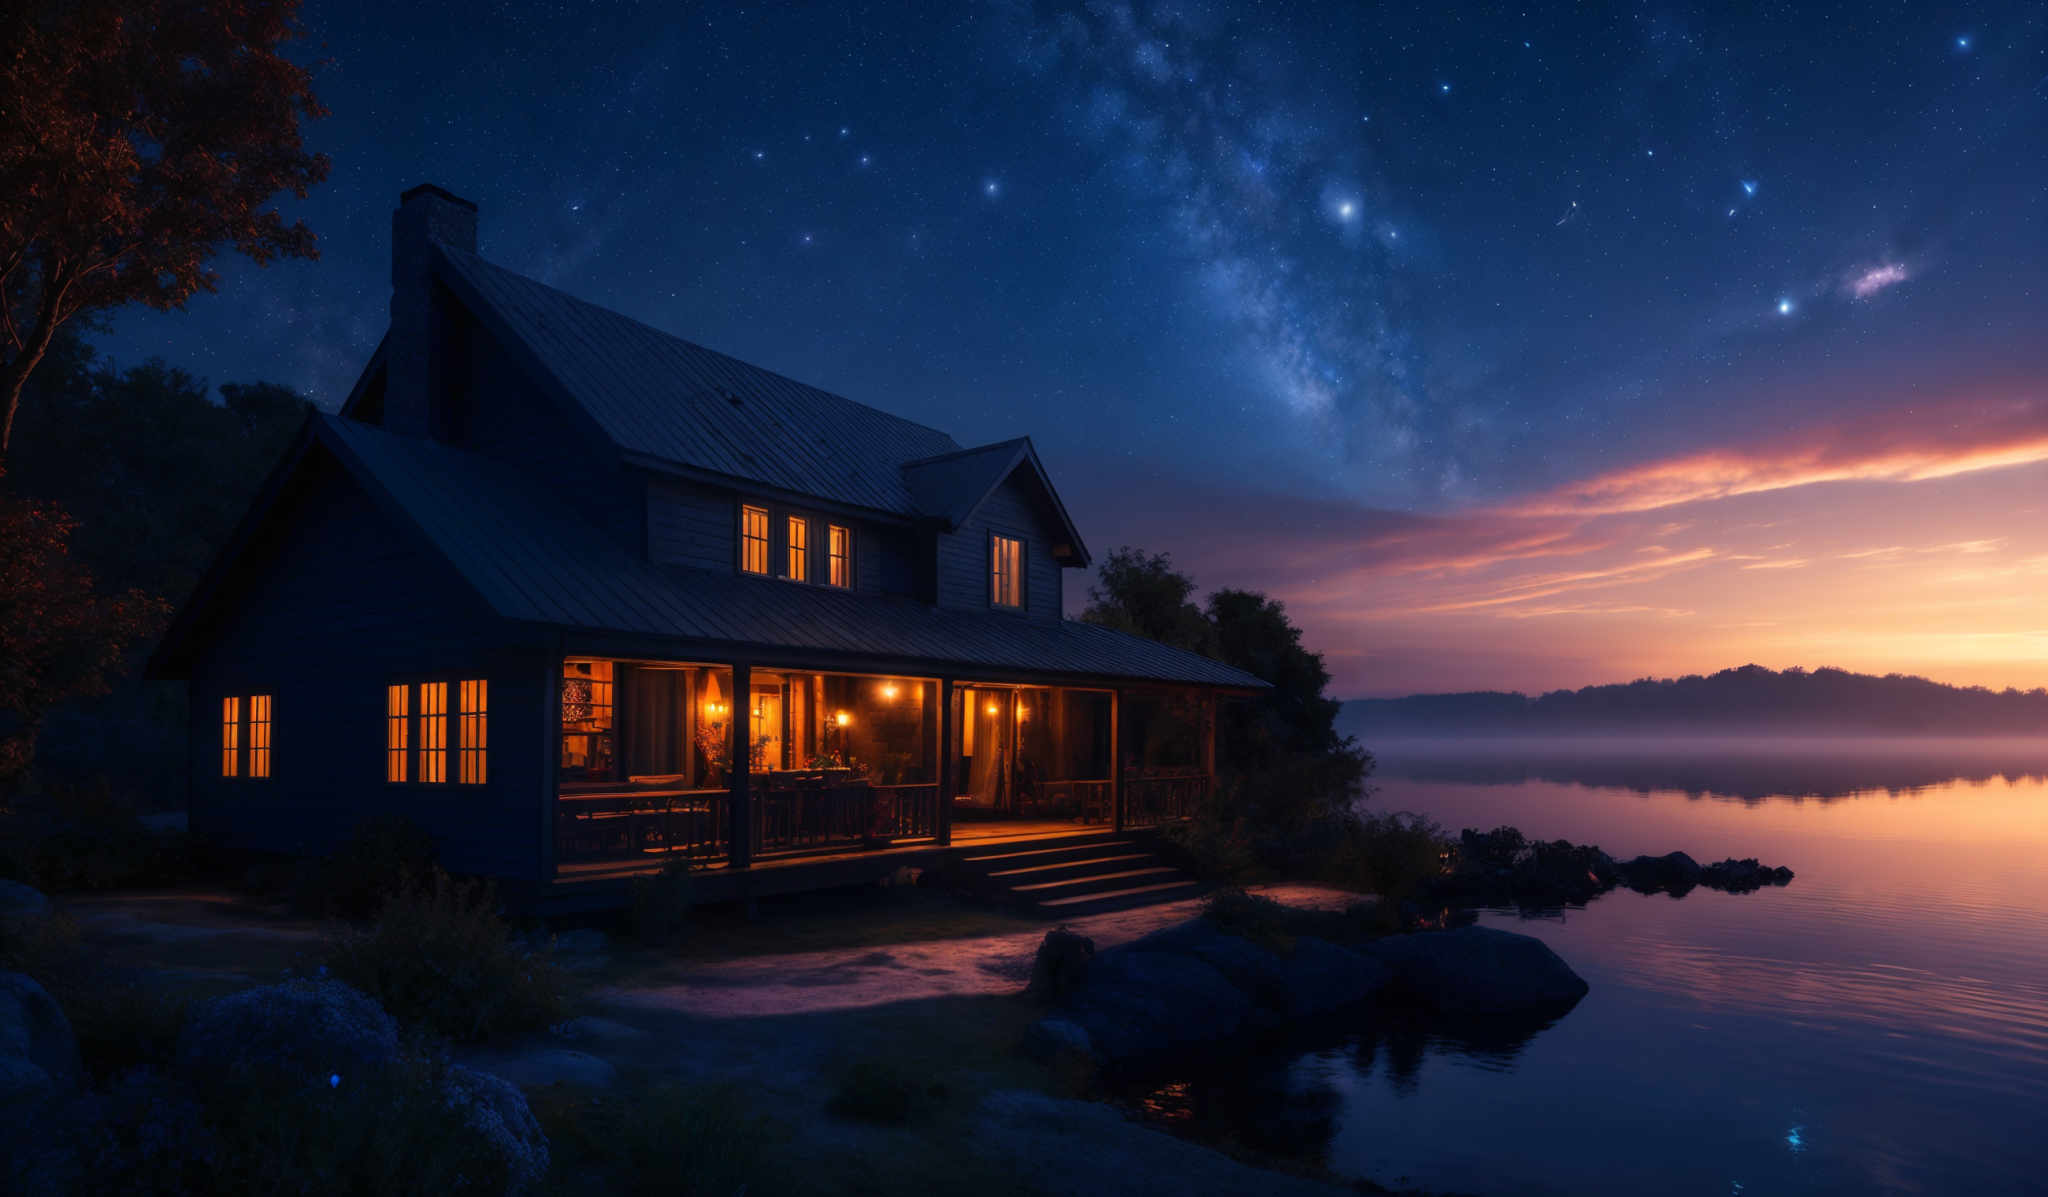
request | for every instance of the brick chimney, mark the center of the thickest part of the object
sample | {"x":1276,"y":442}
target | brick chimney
{"x":426,"y":335}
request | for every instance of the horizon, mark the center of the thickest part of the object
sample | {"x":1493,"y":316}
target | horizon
{"x":1509,"y":353}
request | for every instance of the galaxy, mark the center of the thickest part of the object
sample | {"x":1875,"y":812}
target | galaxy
{"x":1510,"y":346}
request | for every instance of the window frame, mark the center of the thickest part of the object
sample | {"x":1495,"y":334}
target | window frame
{"x":473,"y":731}
{"x":256,"y":733}
{"x":839,"y":564}
{"x":425,"y":742}
{"x":796,"y":547}
{"x":1017,"y":574}
{"x":766,"y":540}
{"x":231,"y":737}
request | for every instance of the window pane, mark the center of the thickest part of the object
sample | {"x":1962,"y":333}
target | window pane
{"x":839,"y":546}
{"x":259,"y":735}
{"x":397,"y":730}
{"x":230,"y":737}
{"x":433,"y":732}
{"x":589,"y":734}
{"x":754,"y":539}
{"x":1006,"y":558}
{"x":475,"y":728}
{"x":799,"y":549}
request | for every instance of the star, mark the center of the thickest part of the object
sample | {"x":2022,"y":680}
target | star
{"x":1346,"y":210}
{"x":1444,"y":88}
{"x":758,"y":155}
{"x":843,"y":130}
{"x":990,"y":188}
{"x":864,"y":159}
{"x":1784,"y":307}
{"x":1963,"y":42}
{"x":1749,"y":187}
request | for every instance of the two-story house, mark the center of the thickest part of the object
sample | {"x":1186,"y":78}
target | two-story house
{"x":578,"y":597}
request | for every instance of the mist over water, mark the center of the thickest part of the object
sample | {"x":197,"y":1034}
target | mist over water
{"x":1880,"y":1025}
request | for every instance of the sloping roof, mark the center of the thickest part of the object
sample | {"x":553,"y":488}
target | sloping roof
{"x":662,"y":397}
{"x":952,"y":486}
{"x":534,"y":560}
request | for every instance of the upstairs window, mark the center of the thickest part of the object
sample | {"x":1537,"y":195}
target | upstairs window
{"x":1006,"y":571}
{"x":754,"y":539}
{"x":839,"y":555}
{"x":799,"y":549}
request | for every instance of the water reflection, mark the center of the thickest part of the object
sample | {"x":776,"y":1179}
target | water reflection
{"x":1746,"y":770}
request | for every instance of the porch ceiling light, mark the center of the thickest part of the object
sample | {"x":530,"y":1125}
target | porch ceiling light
{"x":888,"y":689}
{"x":842,"y":718}
{"x":993,"y":709}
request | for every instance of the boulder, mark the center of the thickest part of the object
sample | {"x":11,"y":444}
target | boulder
{"x":297,"y":1031}
{"x":1140,"y":1004}
{"x":1479,"y":970}
{"x":1743,"y":876}
{"x":1255,"y":971}
{"x":1052,"y":1036}
{"x":1061,"y":965}
{"x":18,"y":901}
{"x":1318,"y":977}
{"x":496,"y":1111}
{"x":38,"y":1052}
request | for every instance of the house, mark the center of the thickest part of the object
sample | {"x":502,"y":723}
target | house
{"x":580,"y":598}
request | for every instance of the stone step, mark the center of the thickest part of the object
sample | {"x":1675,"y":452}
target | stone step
{"x":998,"y":856}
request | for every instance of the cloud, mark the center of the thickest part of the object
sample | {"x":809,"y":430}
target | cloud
{"x":1869,"y":282}
{"x":1904,"y":445}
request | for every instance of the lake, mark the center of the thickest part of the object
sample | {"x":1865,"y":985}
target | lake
{"x":1878,"y":1026}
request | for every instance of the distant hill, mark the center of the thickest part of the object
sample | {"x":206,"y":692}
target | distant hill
{"x":1748,"y":700}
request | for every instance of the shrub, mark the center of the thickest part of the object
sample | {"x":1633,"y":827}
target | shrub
{"x":661,"y":904}
{"x":671,"y":1139}
{"x":876,"y":1089}
{"x":85,"y":836}
{"x":385,"y":856}
{"x":440,"y":957}
{"x":1390,"y":854}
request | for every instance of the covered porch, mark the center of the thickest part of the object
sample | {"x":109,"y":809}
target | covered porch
{"x":842,"y":764}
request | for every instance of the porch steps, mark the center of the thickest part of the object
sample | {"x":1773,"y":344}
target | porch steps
{"x":1073,"y":875}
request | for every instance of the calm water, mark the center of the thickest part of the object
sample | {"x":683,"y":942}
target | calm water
{"x":1881,"y":1025}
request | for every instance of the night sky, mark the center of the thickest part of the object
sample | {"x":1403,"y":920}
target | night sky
{"x":1517,"y":347}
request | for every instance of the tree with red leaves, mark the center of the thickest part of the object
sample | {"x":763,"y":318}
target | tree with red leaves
{"x":140,"y":138}
{"x":58,"y":638}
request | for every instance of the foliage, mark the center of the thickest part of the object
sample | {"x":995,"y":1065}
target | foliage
{"x":1145,"y":596}
{"x":879,"y":1089}
{"x":59,"y":638}
{"x":1391,"y":853}
{"x":662,"y":904}
{"x":672,"y":1140}
{"x":142,"y":137}
{"x":440,"y":957}
{"x":384,"y":857}
{"x":84,"y":836}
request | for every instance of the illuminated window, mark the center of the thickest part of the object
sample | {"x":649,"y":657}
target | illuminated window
{"x":230,"y":737}
{"x":799,"y":549}
{"x":1006,"y":571}
{"x":433,"y":742}
{"x":397,"y":730}
{"x":589,"y":744}
{"x":475,"y":731}
{"x":259,"y":735}
{"x":754,"y":539}
{"x":839,"y":552}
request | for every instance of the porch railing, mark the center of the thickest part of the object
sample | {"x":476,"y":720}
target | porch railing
{"x":1162,"y":795}
{"x":807,"y":816}
{"x":642,"y":825}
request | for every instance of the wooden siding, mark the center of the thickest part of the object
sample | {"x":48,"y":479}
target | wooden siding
{"x":1015,"y":509}
{"x":338,"y":602}
{"x":692,"y":525}
{"x":696,"y":525}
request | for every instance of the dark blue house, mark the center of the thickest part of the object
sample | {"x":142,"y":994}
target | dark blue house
{"x":580,"y":597}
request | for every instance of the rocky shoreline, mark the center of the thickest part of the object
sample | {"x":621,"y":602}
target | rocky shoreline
{"x":1502,"y":867}
{"x":1214,"y":981}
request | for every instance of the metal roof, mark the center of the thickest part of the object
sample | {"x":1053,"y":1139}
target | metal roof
{"x":663,"y":397}
{"x":952,"y":487}
{"x":535,"y":560}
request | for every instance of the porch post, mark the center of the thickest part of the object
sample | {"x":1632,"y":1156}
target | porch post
{"x":1209,"y":735}
{"x":942,"y":818}
{"x":1116,"y":761}
{"x":740,"y":731}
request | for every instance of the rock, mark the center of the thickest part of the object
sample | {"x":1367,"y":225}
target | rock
{"x":1674,"y":872}
{"x":297,"y":1030}
{"x":38,"y":1052}
{"x":1479,"y":970}
{"x":549,"y":1066}
{"x":496,"y":1110}
{"x":1255,"y":971}
{"x":1318,"y":977}
{"x":1143,"y":1004}
{"x":18,"y":901}
{"x":1060,"y":967}
{"x":1050,"y":1037}
{"x":1743,"y":876}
